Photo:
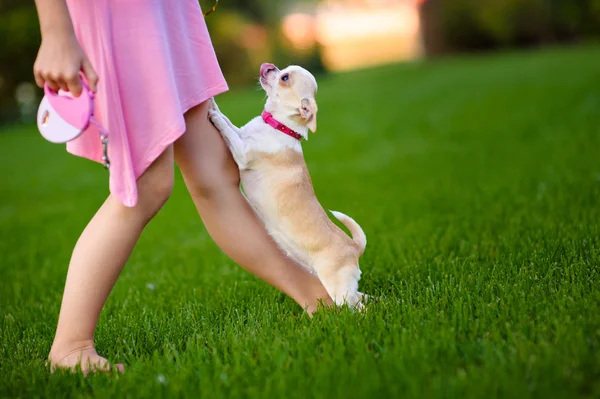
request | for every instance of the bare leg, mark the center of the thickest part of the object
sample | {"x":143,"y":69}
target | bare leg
{"x":212,"y":178}
{"x":97,"y":260}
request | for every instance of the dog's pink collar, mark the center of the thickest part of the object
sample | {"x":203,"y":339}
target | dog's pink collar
{"x":268,"y":118}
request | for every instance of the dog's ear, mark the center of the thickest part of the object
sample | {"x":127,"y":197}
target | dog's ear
{"x":308,"y":112}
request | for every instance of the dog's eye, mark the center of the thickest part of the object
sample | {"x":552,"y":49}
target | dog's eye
{"x":285,"y":77}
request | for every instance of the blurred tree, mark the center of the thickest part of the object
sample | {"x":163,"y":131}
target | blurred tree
{"x":240,"y":64}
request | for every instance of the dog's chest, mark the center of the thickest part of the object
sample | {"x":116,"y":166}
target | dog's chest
{"x":271,"y":181}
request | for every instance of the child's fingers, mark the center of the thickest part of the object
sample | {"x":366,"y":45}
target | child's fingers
{"x":89,"y":73}
{"x":62,"y":84}
{"x":52,"y":84}
{"x":39,"y":80}
{"x":73,"y":83}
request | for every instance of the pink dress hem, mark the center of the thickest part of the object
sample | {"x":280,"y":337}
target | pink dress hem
{"x":171,"y":136}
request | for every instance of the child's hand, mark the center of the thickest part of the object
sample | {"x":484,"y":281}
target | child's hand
{"x":59,"y":61}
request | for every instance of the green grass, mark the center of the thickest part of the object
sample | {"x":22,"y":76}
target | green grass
{"x":477,"y":181}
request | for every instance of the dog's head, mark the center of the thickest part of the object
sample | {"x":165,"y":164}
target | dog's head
{"x":291,"y":91}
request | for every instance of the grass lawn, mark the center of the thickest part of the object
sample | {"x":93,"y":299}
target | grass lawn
{"x":477,"y":181}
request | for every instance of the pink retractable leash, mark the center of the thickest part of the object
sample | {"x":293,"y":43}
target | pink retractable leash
{"x":62,"y":117}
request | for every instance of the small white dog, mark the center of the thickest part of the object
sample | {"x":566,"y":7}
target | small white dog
{"x":276,"y":182}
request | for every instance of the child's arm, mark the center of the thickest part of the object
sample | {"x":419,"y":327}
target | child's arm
{"x":60,"y":57}
{"x":54,"y":16}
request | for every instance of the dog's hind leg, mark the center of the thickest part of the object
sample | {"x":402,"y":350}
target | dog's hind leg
{"x":341,"y":284}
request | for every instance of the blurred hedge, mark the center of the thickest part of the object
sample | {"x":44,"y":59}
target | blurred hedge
{"x":467,"y":25}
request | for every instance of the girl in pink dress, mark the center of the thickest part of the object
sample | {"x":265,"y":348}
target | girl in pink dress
{"x":153,"y":67}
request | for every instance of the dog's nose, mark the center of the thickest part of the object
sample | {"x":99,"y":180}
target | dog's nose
{"x":266,"y":68}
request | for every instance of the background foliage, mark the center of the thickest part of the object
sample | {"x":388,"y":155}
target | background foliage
{"x":449,"y":26}
{"x":466,"y":25}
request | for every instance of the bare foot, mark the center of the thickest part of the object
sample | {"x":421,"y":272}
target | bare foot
{"x":85,"y":358}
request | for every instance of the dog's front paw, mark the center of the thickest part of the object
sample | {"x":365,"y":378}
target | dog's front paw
{"x":212,"y":105}
{"x":215,"y":117}
{"x":217,"y":120}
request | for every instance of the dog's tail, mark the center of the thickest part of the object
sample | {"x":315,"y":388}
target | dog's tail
{"x":358,"y":235}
